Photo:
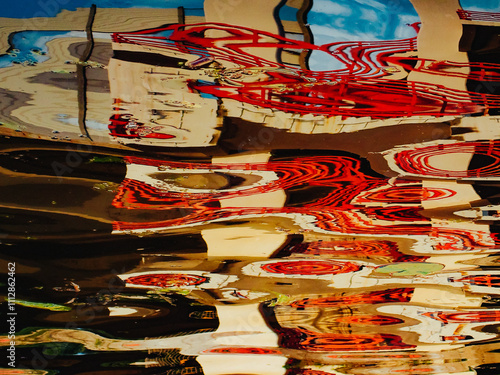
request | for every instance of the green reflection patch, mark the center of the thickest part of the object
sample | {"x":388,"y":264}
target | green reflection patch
{"x":41,"y":305}
{"x":410,"y":268}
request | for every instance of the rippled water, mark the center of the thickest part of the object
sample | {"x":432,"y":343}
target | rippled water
{"x":190,"y":193}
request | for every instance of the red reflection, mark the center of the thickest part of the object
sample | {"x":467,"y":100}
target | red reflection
{"x":358,"y":90}
{"x":304,"y":339}
{"x":465,"y":316}
{"x":487,"y":280}
{"x":166,"y":280}
{"x":245,"y":350}
{"x":310,"y":267}
{"x":338,"y":210}
{"x":418,"y":161}
{"x":376,"y":297}
{"x":124,"y":127}
{"x":382,"y":250}
{"x":375,"y":320}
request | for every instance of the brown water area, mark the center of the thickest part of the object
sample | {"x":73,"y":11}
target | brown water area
{"x":275,"y":187}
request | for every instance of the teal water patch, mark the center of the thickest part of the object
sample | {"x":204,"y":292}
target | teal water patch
{"x":333,"y":21}
{"x":30,"y":47}
{"x":483,"y":5}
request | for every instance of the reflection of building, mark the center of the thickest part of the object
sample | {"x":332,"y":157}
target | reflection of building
{"x":480,"y":40}
{"x":382,"y":83}
{"x":466,"y":161}
{"x":285,"y":18}
{"x":336,"y":195}
{"x":327,"y":328}
{"x":153,"y":106}
{"x":331,"y":198}
{"x":153,"y":103}
{"x":45,"y":94}
{"x":294,"y":29}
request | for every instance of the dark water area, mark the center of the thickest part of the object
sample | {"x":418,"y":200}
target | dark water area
{"x":225,"y":187}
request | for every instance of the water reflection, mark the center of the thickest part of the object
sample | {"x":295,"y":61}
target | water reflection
{"x":225,"y":191}
{"x":389,"y":283}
